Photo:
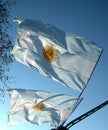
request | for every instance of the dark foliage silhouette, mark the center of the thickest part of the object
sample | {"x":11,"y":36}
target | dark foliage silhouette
{"x":5,"y":42}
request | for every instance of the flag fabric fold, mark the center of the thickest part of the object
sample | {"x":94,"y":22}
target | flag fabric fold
{"x":39,"y":107}
{"x":64,"y":57}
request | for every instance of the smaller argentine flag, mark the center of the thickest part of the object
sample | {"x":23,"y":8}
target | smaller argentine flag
{"x":40,"y":107}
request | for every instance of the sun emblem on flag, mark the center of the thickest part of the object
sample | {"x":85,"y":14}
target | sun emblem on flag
{"x":39,"y":107}
{"x":49,"y":53}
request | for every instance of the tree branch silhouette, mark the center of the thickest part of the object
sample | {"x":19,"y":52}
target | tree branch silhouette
{"x":5,"y":42}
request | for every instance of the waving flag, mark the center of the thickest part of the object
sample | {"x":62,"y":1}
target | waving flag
{"x":40,"y":107}
{"x":64,"y":57}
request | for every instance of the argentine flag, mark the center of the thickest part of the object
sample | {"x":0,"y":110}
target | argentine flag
{"x":40,"y":107}
{"x":62,"y":56}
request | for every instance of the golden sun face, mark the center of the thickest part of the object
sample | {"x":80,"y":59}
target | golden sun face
{"x":50,"y":53}
{"x":39,"y":107}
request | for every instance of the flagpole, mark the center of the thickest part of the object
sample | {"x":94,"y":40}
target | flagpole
{"x":91,"y":74}
{"x":73,"y":122}
{"x":78,"y":119}
{"x":73,"y":110}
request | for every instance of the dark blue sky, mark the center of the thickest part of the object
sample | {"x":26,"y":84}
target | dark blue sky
{"x":88,"y":18}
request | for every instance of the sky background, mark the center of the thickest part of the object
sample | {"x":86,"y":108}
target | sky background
{"x":88,"y":18}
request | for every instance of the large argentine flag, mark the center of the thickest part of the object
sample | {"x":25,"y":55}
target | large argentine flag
{"x":64,"y":57}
